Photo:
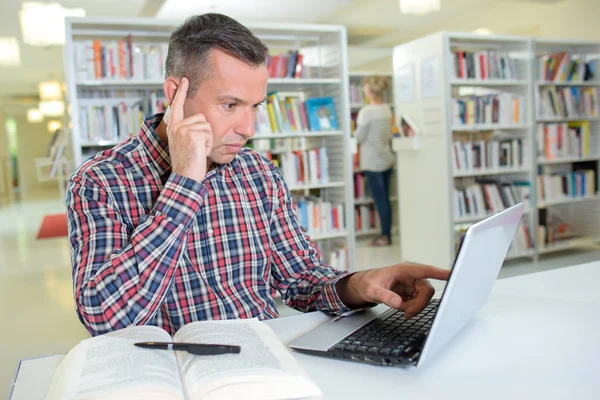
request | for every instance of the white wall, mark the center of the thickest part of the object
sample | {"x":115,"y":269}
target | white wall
{"x":33,"y":142}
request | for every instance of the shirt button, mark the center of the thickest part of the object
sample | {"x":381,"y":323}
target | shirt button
{"x":210,"y":231}
{"x":218,"y":278}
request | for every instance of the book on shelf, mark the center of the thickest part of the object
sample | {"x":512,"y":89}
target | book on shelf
{"x":333,"y":255}
{"x":484,"y":65}
{"x":565,"y":67}
{"x":338,"y":259}
{"x":488,"y":154}
{"x":486,"y":197}
{"x":302,"y":167}
{"x":499,"y":108}
{"x":567,"y":102}
{"x":110,"y":366}
{"x":552,"y":228}
{"x":282,"y":114}
{"x":320,"y":217}
{"x":365,"y":218}
{"x":321,"y":114}
{"x":110,"y":122}
{"x":574,"y":184}
{"x":563,"y":140}
{"x":361,"y":189}
{"x":123,"y":59}
{"x":286,"y":65}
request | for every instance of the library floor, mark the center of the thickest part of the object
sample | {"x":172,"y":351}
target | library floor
{"x":36,"y":305}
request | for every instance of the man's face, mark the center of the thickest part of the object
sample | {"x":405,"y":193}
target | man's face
{"x":229,"y":98}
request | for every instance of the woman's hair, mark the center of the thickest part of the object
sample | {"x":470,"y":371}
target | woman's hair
{"x":376,"y":85}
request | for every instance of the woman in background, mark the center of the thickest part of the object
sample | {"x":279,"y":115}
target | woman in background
{"x":373,"y":134}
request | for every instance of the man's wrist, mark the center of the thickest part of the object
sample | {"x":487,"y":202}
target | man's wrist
{"x":349,"y":293}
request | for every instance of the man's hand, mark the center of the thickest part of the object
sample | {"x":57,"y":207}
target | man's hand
{"x":401,"y":286}
{"x":190,"y":139}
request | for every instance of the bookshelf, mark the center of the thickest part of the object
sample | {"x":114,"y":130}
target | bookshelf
{"x":568,"y":143}
{"x":362,"y":196}
{"x":556,"y":140}
{"x":134,"y":90}
{"x":467,"y":140}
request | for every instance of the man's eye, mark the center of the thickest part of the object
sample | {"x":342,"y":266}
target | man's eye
{"x":257,"y":106}
{"x":230,"y":106}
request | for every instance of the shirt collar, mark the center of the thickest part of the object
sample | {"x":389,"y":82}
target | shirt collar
{"x":158,"y":150}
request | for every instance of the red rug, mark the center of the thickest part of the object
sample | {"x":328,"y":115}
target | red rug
{"x":53,"y":226}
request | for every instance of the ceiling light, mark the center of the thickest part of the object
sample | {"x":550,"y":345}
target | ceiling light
{"x":34,"y":116}
{"x":52,"y":108}
{"x":482,"y":31}
{"x":419,"y":7}
{"x":54,"y":125}
{"x":50,"y":90}
{"x":43,"y":24}
{"x":10,"y":54}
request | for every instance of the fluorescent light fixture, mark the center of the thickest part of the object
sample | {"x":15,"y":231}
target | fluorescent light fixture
{"x":52,"y":108}
{"x":10,"y":54}
{"x":54,"y":125}
{"x":419,"y":7}
{"x":34,"y":115}
{"x":482,"y":31}
{"x":43,"y":24}
{"x":50,"y":90}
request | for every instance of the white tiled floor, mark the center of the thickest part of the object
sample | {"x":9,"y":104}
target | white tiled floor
{"x":36,"y":305}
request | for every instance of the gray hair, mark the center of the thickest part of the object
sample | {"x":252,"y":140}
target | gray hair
{"x":190,"y":45}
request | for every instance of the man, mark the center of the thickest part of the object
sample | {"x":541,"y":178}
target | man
{"x":205,"y":228}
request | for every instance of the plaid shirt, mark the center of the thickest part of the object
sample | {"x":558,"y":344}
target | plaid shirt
{"x":151,"y":247}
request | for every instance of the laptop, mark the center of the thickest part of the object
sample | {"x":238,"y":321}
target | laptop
{"x":382,"y":336}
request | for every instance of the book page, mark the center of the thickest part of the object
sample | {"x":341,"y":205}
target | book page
{"x":263,"y":370}
{"x":110,"y":366}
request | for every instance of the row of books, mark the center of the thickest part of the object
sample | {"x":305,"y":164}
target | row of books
{"x":361,"y":189}
{"x":580,"y":183}
{"x":320,"y":217}
{"x":365,"y":218}
{"x":285,"y":65}
{"x":487,"y":197}
{"x":289,"y":114}
{"x":482,"y":65}
{"x":500,"y":108}
{"x":565,"y":67}
{"x":119,"y":59}
{"x":552,"y":228}
{"x":561,"y":140}
{"x":493,"y":154}
{"x":109,"y":123}
{"x":568,"y":102}
{"x":334,"y":257}
{"x":357,"y":95}
{"x":305,"y":167}
{"x":522,"y":240}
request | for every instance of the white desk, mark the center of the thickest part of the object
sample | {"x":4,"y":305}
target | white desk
{"x":578,"y":282}
{"x":543,"y":347}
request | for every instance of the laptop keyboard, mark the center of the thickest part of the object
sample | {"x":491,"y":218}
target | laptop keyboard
{"x":390,"y":335}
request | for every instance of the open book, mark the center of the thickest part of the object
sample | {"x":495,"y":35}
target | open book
{"x":111,"y":367}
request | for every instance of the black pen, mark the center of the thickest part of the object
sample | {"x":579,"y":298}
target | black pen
{"x":193,"y":348}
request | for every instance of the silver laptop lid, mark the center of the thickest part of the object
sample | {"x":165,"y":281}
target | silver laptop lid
{"x":475,"y":270}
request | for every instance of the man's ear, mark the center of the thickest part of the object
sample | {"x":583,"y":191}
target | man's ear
{"x":170,"y":87}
